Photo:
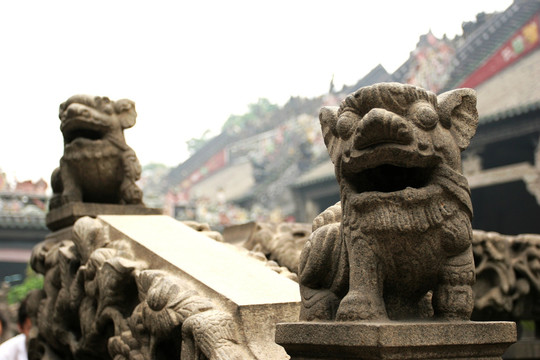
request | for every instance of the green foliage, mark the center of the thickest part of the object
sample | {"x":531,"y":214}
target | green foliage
{"x":154,"y":166}
{"x":258,"y":112}
{"x":32,"y":281}
{"x":256,"y":117}
{"x":195,"y":144}
{"x":528,"y":325}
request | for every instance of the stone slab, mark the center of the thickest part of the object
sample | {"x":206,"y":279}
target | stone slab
{"x":67,"y":214}
{"x":257,"y":296}
{"x":238,"y":234}
{"x":239,"y":278}
{"x":396,"y":340}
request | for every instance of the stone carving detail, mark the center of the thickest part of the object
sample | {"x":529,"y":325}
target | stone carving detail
{"x":507,"y":267}
{"x":533,"y":181}
{"x":281,"y":244}
{"x":399,"y":244}
{"x":508,"y":276}
{"x":97,"y":166}
{"x":99,"y":302}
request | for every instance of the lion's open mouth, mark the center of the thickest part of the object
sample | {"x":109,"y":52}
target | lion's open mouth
{"x":76,"y":129}
{"x":83,"y":134}
{"x":389,"y":178}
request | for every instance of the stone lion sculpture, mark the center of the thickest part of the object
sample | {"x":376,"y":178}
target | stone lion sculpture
{"x":97,"y":166}
{"x":398,"y":245}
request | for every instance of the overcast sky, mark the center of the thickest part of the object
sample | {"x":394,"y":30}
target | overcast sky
{"x":188,"y":65}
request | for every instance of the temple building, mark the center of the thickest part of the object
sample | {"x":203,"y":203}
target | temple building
{"x":498,"y":55}
{"x":22,"y":225}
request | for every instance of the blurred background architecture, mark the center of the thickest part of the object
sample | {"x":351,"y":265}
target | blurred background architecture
{"x":22,"y":225}
{"x":270,"y":164}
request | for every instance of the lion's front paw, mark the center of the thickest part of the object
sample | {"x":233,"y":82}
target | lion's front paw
{"x":318,"y":304}
{"x":453,"y":302}
{"x":357,"y":306}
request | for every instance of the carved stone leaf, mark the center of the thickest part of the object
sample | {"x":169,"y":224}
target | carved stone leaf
{"x":215,"y":334}
{"x":90,"y":234}
{"x":168,"y":305}
{"x":114,"y":279}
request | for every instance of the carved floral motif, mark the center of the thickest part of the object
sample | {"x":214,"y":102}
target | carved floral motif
{"x":100,"y":302}
{"x":508,"y":276}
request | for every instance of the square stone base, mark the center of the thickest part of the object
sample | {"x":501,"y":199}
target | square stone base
{"x":67,"y":214}
{"x":395,"y":340}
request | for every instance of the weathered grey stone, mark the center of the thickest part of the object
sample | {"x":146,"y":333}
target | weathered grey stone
{"x":219,"y":268}
{"x":508,"y":276}
{"x":281,"y":243}
{"x":67,"y":214}
{"x":395,"y":340}
{"x":97,"y":166}
{"x":398,"y":246}
{"x":150,"y":287}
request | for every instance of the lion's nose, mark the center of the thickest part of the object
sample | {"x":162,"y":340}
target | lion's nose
{"x":380,"y":126}
{"x":77,"y":110}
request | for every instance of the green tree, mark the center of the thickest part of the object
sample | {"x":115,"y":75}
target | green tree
{"x":195,"y":144}
{"x":32,"y":281}
{"x":256,"y":116}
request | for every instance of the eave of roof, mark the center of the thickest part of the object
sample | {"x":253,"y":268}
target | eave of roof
{"x":508,"y":113}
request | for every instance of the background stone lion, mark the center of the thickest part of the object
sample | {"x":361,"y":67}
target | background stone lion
{"x":97,"y":166}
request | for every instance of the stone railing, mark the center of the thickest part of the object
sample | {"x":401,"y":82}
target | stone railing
{"x":115,"y":290}
{"x":507,"y":267}
{"x":507,"y":275}
{"x":150,"y":287}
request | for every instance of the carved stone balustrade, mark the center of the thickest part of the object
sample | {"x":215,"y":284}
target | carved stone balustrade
{"x":150,"y":287}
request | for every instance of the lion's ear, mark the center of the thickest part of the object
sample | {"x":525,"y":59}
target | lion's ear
{"x":125,"y":109}
{"x":328,"y":118}
{"x":457,"y":111}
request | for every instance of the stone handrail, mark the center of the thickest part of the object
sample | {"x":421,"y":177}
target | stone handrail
{"x":507,"y":267}
{"x":150,"y":287}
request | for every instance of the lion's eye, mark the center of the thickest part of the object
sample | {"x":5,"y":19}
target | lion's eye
{"x":424,"y":116}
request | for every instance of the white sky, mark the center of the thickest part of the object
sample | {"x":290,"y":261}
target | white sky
{"x":188,"y":65}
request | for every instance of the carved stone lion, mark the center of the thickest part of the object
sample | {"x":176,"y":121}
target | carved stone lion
{"x":398,"y":245}
{"x":97,"y":166}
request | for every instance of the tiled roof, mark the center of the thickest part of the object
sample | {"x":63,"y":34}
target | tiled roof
{"x":320,"y":173}
{"x":22,"y":222}
{"x":193,"y":163}
{"x":377,"y":75}
{"x":488,"y":38}
{"x":513,"y":91}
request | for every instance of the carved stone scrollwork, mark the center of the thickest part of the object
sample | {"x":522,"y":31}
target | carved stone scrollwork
{"x":100,"y":302}
{"x":507,"y":267}
{"x":280,"y":243}
{"x":508,"y":276}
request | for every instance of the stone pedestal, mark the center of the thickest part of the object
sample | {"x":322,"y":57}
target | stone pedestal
{"x":395,"y":340}
{"x":67,"y":214}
